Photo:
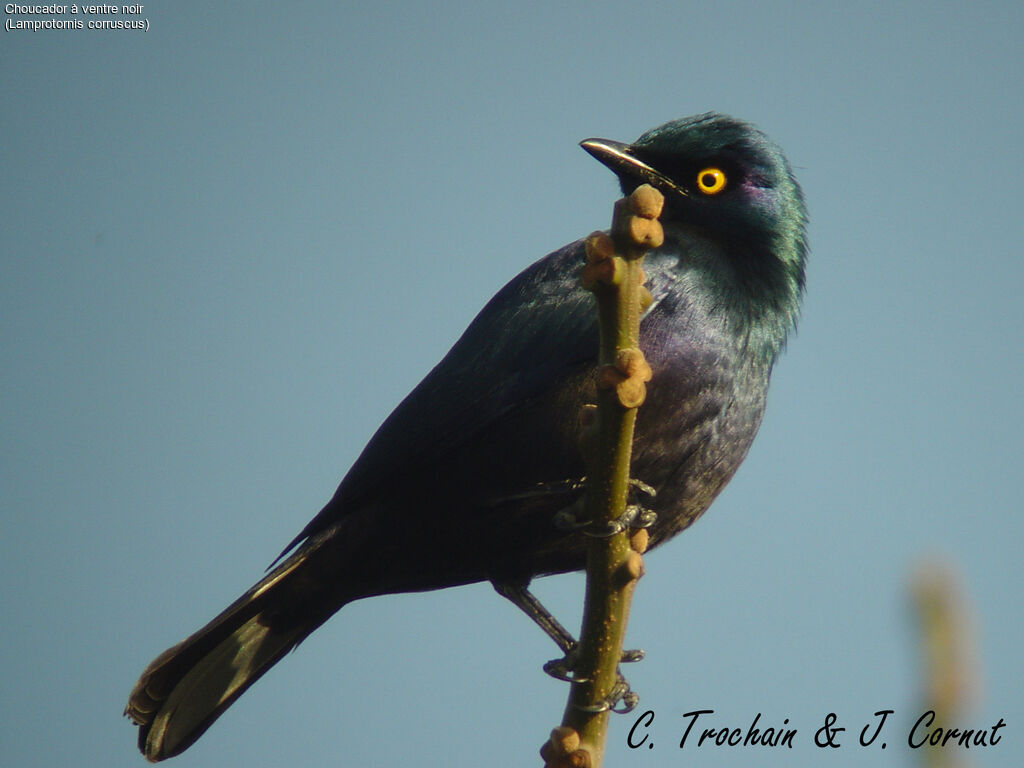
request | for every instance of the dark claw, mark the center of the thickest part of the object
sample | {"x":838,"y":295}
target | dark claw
{"x":621,"y":699}
{"x":641,"y":516}
{"x":642,"y":487}
{"x":629,"y":701}
{"x":619,"y":693}
{"x":634,"y":516}
{"x":605,"y":530}
{"x":562,"y":669}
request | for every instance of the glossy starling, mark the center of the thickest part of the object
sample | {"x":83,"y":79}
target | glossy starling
{"x":463,"y":480}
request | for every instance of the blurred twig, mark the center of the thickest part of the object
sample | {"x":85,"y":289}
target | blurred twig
{"x":950,"y":674}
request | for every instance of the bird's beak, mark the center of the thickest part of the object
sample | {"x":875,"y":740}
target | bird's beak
{"x":620,"y":158}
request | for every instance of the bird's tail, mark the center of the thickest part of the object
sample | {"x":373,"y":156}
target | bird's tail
{"x":187,"y":687}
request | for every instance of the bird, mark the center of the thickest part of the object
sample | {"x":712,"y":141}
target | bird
{"x":462,"y":483}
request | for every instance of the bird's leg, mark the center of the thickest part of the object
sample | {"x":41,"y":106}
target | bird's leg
{"x":520,"y":596}
{"x":562,"y":669}
{"x":635,"y":515}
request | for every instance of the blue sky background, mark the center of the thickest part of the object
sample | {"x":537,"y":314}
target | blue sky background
{"x":230,"y":245}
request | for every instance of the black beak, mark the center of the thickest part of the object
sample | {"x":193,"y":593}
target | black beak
{"x":620,"y":158}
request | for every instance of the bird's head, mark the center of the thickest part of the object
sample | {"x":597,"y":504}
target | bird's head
{"x":723,"y":179}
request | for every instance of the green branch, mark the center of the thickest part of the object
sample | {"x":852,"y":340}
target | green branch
{"x":614,"y":274}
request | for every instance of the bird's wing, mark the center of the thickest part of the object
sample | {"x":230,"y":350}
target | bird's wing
{"x":525,"y":341}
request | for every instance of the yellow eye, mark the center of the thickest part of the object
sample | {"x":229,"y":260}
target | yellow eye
{"x":711,"y":181}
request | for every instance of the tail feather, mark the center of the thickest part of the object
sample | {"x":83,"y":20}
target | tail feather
{"x":187,"y":687}
{"x":211,"y":686}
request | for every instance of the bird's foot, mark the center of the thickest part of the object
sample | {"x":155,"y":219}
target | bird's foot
{"x":564,"y":668}
{"x":620,"y":699}
{"x":634,"y":516}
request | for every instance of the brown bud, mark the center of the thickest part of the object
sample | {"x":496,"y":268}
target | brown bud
{"x":631,"y":362}
{"x":562,"y":750}
{"x":598,"y":247}
{"x":646,"y":233}
{"x":631,"y":393}
{"x":638,"y":540}
{"x":565,"y":740}
{"x":607,"y":271}
{"x":547,"y":753}
{"x":632,"y":567}
{"x":627,"y":377}
{"x":646,"y":201}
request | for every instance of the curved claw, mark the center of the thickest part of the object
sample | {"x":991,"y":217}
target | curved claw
{"x":620,"y":692}
{"x":644,"y":518}
{"x":561,"y":669}
{"x":629,"y":701}
{"x":642,"y":487}
{"x":641,"y":516}
{"x":605,"y":530}
{"x":634,"y":516}
{"x":630,"y":656}
{"x":601,"y":706}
